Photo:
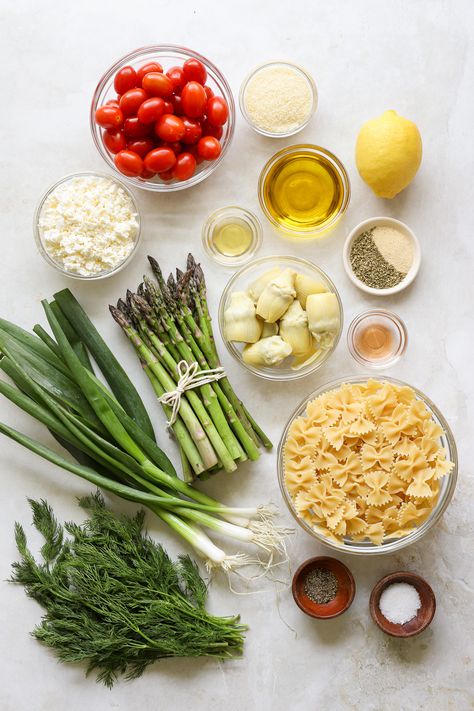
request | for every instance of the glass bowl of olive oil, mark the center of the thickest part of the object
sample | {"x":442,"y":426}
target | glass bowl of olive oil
{"x":304,"y":190}
{"x":232,"y":235}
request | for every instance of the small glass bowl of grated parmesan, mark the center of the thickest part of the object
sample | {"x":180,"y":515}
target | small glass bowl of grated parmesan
{"x":278,"y":99}
{"x":87,"y":226}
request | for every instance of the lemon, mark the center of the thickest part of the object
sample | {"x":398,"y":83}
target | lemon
{"x":388,"y":153}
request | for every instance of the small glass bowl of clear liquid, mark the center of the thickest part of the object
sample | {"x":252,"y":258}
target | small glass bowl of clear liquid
{"x":232,"y":235}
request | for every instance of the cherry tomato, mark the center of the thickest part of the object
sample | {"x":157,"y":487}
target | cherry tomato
{"x":166,"y":174}
{"x":125,"y":79}
{"x":146,"y":69}
{"x":151,"y":110}
{"x":147,"y":174}
{"x":209,"y":148}
{"x":177,"y":104}
{"x":176,"y":74}
{"x":160,"y":159}
{"x":193,"y":131}
{"x":209,"y":92}
{"x":184,"y":167}
{"x":157,"y":84}
{"x":208,"y":130}
{"x":134,"y":128}
{"x":194,"y":152}
{"x":109,"y":117}
{"x":194,"y":99}
{"x":114,"y":140}
{"x":141,"y":146}
{"x":113,"y":102}
{"x":169,"y":107}
{"x":170,"y":128}
{"x":217,"y":111}
{"x":194,"y":70}
{"x":131,"y":101}
{"x":129,"y":163}
{"x":175,"y":146}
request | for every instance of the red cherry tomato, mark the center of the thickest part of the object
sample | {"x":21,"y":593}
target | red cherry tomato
{"x":141,"y":146}
{"x":194,"y":70}
{"x":147,"y":174}
{"x":129,"y":163}
{"x":176,"y":74}
{"x":125,"y":79}
{"x":177,"y":104}
{"x":134,"y":128}
{"x":109,"y":117}
{"x":193,"y":131}
{"x":170,"y":128}
{"x":217,"y":111}
{"x":209,"y":92}
{"x":208,"y":130}
{"x":166,"y":175}
{"x":169,"y":107}
{"x":194,"y":99}
{"x":194,"y":152}
{"x":160,"y":159}
{"x":157,"y":84}
{"x":113,"y":102}
{"x":146,"y":69}
{"x":184,"y":167}
{"x":131,"y":101}
{"x":209,"y":148}
{"x":175,"y":146}
{"x":114,"y":140}
{"x":151,"y":110}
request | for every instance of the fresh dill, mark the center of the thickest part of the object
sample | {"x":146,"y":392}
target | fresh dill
{"x":113,"y":597}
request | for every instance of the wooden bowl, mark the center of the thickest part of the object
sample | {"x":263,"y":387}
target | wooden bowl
{"x":344,"y":596}
{"x":424,"y":615}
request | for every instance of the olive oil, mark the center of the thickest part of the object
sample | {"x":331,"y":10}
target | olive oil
{"x":232,"y":237}
{"x":304,"y":190}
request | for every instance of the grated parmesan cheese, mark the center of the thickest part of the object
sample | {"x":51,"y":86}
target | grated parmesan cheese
{"x":88,"y":225}
{"x":278,"y":99}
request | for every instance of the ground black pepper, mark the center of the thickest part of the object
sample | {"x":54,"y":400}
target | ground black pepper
{"x":369,"y":266}
{"x":321,"y":585}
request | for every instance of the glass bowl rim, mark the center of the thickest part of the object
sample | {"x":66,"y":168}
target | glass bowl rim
{"x":398,"y":543}
{"x":198,"y":177}
{"x":318,"y":150}
{"x":264,"y":65}
{"x":277,"y":375}
{"x":39,"y":241}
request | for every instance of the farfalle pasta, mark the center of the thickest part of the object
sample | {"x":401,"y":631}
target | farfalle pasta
{"x":364,"y":462}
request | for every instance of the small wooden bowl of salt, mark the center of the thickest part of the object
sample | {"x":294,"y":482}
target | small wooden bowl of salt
{"x":402,"y":604}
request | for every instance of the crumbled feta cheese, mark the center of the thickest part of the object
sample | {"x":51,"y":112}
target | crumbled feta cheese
{"x":88,"y":225}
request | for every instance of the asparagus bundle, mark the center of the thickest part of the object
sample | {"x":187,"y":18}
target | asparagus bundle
{"x":169,"y":322}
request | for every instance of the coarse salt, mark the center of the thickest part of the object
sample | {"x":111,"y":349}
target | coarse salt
{"x":278,"y":99}
{"x":399,"y":603}
{"x":88,"y":225}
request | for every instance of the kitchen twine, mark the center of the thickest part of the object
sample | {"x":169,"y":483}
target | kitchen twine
{"x":189,"y":377}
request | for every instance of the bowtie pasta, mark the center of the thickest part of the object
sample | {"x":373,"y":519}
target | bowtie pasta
{"x":364,"y":462}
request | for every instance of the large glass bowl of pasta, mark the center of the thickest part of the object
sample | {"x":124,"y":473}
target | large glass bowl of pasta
{"x":367,"y":466}
{"x":280,"y":317}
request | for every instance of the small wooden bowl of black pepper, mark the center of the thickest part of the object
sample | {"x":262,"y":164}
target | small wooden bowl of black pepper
{"x":323,"y":587}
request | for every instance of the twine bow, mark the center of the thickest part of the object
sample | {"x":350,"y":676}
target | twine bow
{"x":189,"y":377}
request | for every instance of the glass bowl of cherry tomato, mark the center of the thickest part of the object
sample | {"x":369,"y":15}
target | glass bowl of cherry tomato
{"x":163,"y":117}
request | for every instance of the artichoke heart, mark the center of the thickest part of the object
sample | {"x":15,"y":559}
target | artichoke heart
{"x":240,"y":320}
{"x":323,"y":313}
{"x":269,"y":329}
{"x":277,"y":296}
{"x":294,"y":328}
{"x":313,"y":352}
{"x":256,"y":287}
{"x":268,"y":351}
{"x":305,"y":286}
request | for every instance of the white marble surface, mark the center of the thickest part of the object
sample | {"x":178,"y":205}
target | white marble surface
{"x":366,"y":56}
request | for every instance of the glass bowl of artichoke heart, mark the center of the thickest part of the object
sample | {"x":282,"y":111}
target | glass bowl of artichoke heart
{"x":281,"y":317}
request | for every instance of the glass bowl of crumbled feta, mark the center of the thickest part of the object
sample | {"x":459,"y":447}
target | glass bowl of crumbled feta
{"x":87,"y":225}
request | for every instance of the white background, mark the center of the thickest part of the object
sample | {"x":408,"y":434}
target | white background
{"x":366,"y":57}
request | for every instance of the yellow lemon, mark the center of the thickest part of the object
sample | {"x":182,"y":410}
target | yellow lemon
{"x":388,"y":153}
